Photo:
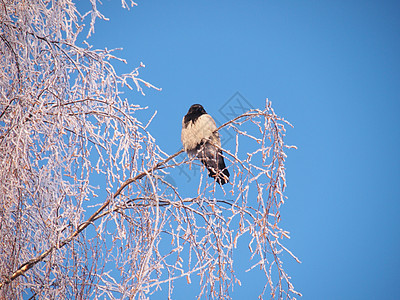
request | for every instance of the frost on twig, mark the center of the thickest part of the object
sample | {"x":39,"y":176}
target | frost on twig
{"x":86,"y":210}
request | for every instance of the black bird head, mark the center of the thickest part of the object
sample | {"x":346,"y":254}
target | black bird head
{"x":195,"y":111}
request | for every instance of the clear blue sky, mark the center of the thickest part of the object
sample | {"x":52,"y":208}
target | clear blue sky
{"x":332,"y":68}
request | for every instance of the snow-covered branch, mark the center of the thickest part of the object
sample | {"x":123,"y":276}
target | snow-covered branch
{"x":86,"y":207}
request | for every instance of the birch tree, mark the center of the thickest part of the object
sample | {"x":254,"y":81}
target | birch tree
{"x":86,"y":211}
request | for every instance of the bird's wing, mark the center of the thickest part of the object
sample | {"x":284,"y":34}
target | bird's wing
{"x":212,"y":158}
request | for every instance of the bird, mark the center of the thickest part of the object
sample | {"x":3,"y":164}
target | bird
{"x":200,"y":139}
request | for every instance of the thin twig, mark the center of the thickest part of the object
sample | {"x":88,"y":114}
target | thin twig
{"x":28,"y":265}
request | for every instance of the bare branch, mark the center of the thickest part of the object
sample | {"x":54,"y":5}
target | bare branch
{"x":68,"y":139}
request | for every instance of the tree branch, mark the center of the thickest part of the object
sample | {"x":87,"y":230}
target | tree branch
{"x":101,"y":213}
{"x":28,"y":265}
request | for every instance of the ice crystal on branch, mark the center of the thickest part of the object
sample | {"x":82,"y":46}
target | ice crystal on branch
{"x":67,"y":136}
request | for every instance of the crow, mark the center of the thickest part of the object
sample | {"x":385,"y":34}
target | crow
{"x":200,"y":139}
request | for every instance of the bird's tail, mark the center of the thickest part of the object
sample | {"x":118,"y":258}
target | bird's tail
{"x":222,"y":176}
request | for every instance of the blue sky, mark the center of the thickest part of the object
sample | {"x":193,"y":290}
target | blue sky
{"x":332,"y":68}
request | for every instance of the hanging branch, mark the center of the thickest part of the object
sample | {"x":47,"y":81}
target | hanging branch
{"x":64,"y":126}
{"x":28,"y":265}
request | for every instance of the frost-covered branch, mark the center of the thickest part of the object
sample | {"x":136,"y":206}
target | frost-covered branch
{"x":69,"y":139}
